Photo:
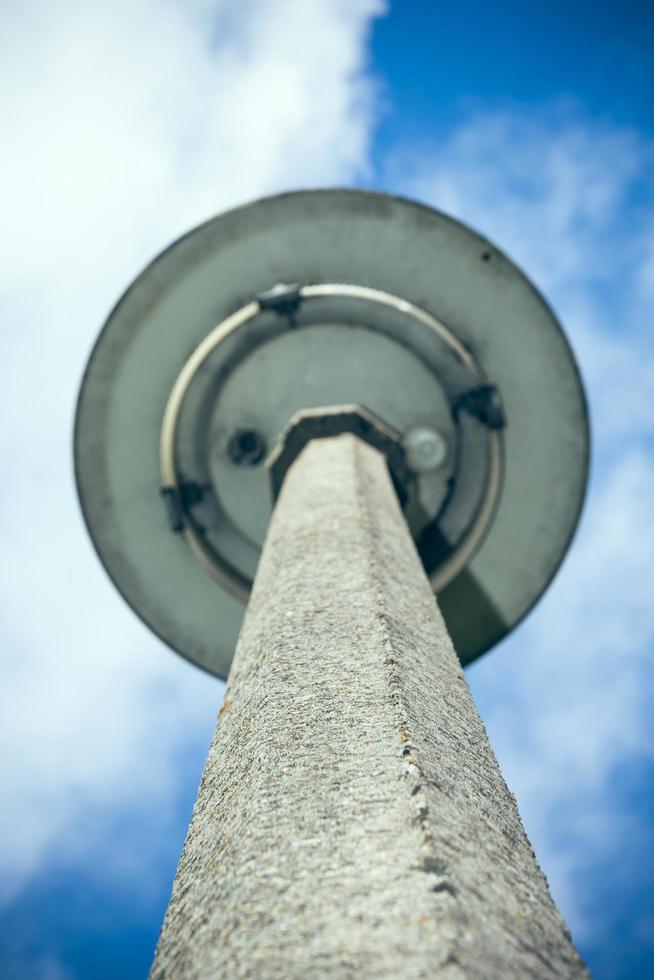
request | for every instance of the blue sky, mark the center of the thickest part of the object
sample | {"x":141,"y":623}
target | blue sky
{"x":127,"y":123}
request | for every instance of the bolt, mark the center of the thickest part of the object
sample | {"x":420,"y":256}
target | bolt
{"x":426,"y":449}
{"x":246,"y":447}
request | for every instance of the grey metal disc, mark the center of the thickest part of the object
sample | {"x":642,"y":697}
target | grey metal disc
{"x":323,"y":237}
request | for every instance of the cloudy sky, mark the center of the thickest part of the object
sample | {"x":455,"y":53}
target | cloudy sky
{"x":124,"y":124}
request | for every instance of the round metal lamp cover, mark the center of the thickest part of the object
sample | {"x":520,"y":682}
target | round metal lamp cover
{"x":394,"y":307}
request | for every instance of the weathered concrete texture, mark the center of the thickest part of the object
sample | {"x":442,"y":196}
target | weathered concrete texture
{"x":352,"y":820}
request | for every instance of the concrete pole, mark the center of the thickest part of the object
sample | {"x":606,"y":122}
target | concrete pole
{"x":352,"y":820}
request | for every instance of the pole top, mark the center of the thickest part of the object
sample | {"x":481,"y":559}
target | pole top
{"x":322,"y":298}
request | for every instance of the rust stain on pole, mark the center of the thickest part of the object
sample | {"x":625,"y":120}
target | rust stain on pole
{"x":352,"y":820}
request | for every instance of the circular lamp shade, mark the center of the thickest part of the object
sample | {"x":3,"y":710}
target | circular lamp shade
{"x":319,"y":299}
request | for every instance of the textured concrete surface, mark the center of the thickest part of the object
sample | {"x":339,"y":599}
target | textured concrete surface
{"x":352,"y":820}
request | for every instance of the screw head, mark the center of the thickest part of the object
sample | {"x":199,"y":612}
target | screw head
{"x":246,"y":447}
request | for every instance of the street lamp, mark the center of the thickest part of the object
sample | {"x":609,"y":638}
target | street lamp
{"x":341,"y":404}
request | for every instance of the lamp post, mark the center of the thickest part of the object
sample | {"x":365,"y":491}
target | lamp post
{"x":398,"y":416}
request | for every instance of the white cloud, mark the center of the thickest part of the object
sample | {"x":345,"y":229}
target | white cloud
{"x":568,"y":698}
{"x":123,"y":125}
{"x":127,"y":123}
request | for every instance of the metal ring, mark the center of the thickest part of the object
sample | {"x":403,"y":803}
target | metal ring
{"x":225,"y":573}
